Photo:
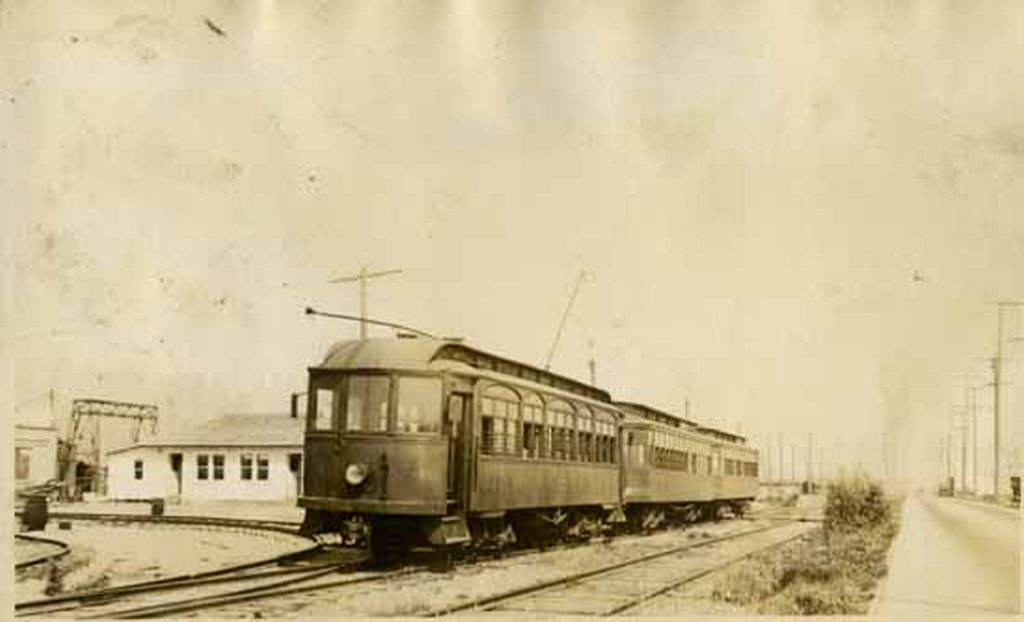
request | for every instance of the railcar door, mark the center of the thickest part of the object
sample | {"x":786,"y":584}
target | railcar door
{"x":456,"y":429}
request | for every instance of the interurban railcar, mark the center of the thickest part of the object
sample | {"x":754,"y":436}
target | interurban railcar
{"x":417,"y":441}
{"x":676,"y":469}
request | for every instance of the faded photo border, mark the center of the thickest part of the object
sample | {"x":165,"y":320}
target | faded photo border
{"x":794,"y":218}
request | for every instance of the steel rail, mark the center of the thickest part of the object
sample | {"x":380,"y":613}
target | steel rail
{"x":281,"y":588}
{"x":647,"y":597}
{"x":288,"y":527}
{"x":489,"y":601}
{"x":62,"y":550}
{"x":173,"y":582}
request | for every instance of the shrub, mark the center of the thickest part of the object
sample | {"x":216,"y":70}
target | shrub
{"x":855,"y":503}
{"x":833,"y":570}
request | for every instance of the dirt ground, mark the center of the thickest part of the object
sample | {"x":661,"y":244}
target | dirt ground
{"x":105,"y":554}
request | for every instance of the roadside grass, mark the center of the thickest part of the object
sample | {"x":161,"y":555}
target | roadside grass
{"x":832,"y":570}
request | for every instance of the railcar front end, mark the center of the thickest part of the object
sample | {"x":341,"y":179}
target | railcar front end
{"x":377,"y":458}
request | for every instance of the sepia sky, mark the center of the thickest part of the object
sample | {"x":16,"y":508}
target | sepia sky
{"x":794,"y":216}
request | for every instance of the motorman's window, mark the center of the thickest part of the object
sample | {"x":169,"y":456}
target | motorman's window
{"x":323,"y":403}
{"x":419,"y":405}
{"x":138,"y":469}
{"x":366,"y":409}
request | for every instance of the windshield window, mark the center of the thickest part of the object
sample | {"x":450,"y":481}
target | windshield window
{"x":419,"y":405}
{"x":367,"y":407}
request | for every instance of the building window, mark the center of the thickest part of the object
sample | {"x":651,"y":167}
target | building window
{"x":262,"y":466}
{"x":138,"y":469}
{"x":246,"y":464}
{"x":218,"y":466}
{"x":202,"y":466}
{"x":22,"y":460}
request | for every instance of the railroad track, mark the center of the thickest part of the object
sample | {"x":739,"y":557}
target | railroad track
{"x":143,"y":596}
{"x":622,"y":587}
{"x":50,"y":550}
{"x":291,"y":528}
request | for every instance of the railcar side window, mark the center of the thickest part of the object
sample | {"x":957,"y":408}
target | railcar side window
{"x":367,"y":406}
{"x":560,"y":416}
{"x":499,"y":422}
{"x":533,"y":426}
{"x":419,"y":405}
{"x":324,"y":409}
{"x":585,"y":425}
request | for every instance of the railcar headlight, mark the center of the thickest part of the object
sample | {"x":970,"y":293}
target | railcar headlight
{"x":355,"y":474}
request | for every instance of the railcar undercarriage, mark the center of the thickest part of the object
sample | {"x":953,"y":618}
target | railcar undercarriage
{"x":391,"y":538}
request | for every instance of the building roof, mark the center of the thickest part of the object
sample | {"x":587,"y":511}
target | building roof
{"x":234,"y":430}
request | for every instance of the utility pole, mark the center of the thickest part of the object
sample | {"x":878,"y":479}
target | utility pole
{"x":362,"y":278}
{"x":949,"y":455}
{"x":997,"y":364}
{"x":792,"y":462}
{"x":810,"y":458}
{"x":972,"y":407}
{"x":960,"y":426}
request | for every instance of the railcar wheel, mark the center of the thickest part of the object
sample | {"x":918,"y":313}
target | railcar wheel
{"x":389,"y":543}
{"x":314,"y":522}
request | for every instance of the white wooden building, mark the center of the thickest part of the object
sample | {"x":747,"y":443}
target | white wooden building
{"x":234,"y":457}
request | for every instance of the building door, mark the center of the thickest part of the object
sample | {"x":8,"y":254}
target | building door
{"x":295,"y":466}
{"x":176,"y":469}
{"x":456,"y":429}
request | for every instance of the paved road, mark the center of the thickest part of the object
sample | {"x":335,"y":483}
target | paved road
{"x":951,"y":557}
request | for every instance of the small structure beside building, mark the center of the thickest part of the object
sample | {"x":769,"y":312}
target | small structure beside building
{"x":35,"y":454}
{"x":234,"y":457}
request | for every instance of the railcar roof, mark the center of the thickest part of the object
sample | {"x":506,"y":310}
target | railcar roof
{"x":726,"y":436}
{"x":420,"y":352}
{"x":653,"y":414}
